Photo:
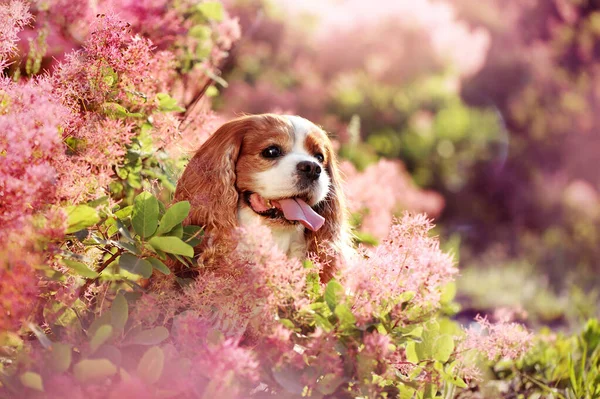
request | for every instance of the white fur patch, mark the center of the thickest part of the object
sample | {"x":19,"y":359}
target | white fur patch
{"x":280,"y":181}
{"x":289,"y":239}
{"x":301,"y":126}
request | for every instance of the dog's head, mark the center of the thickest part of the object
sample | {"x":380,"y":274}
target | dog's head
{"x":283,"y":168}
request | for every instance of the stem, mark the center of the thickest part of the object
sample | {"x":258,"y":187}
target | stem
{"x":100,"y":270}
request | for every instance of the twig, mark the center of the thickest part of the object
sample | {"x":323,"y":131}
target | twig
{"x":100,"y":270}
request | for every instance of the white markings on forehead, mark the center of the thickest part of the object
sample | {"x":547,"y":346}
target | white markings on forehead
{"x":301,"y":125}
{"x":280,"y":181}
{"x":301,"y":128}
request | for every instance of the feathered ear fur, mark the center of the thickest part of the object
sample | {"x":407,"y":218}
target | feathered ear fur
{"x":208,"y":183}
{"x":332,"y":242}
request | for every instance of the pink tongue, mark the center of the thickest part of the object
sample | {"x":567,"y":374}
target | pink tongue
{"x":296,"y":209}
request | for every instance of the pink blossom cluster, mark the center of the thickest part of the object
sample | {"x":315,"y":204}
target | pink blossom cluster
{"x":164,"y":23}
{"x":14,"y":15}
{"x":115,"y":70}
{"x":243,"y":295}
{"x":496,"y":341}
{"x":31,"y":122}
{"x":408,"y":262}
{"x":382,"y":190}
{"x":63,"y":134}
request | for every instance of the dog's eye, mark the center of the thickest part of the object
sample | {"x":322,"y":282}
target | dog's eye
{"x":320,"y":157}
{"x":272,"y":152}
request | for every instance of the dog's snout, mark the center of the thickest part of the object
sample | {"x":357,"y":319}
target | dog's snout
{"x":308,"y":169}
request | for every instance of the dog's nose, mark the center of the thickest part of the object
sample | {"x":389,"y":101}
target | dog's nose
{"x":308,"y":169}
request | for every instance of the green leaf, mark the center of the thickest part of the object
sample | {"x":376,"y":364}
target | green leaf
{"x":98,"y":201}
{"x":323,"y":322}
{"x":406,"y":296}
{"x":443,"y":348}
{"x":136,"y":265}
{"x":344,"y":315}
{"x":109,"y":352}
{"x":173,"y":216}
{"x":192,"y":235}
{"x":124,"y":213}
{"x":333,"y":293}
{"x":119,"y":312}
{"x":425,"y":349}
{"x":287,"y":323}
{"x":122,"y":229}
{"x":144,"y":216}
{"x":153,"y":336}
{"x":60,"y":357}
{"x":459,"y":382}
{"x":183,"y":260}
{"x":201,"y":32}
{"x":97,"y":323}
{"x":159,"y":265}
{"x":125,"y":245}
{"x":80,"y":268}
{"x":168,"y":104}
{"x":212,"y":10}
{"x":151,"y":365}
{"x":93,"y":370}
{"x":572,"y":376}
{"x":448,"y":293}
{"x":102,"y":334}
{"x":32,"y":380}
{"x":116,"y":110}
{"x":172,"y":245}
{"x":406,"y":392}
{"x":80,"y":216}
{"x":176,"y":231}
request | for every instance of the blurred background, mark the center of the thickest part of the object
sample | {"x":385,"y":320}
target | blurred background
{"x":484,"y":114}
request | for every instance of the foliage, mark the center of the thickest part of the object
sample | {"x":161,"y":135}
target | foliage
{"x":557,"y":366}
{"x":101,"y":292}
{"x":355,"y":336}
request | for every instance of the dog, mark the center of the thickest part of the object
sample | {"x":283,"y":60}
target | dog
{"x":280,"y":171}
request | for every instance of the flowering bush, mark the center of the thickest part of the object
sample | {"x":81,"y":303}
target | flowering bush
{"x":88,"y":307}
{"x":260,"y":323}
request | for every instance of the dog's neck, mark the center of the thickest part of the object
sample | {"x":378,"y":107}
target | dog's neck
{"x":290,"y":239}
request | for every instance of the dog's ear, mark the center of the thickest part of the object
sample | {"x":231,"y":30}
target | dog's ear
{"x":332,"y":241}
{"x":208,"y":181}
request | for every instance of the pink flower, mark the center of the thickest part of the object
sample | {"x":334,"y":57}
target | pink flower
{"x":408,"y":261}
{"x":115,"y":70}
{"x":14,"y":15}
{"x":382,"y":190}
{"x":377,"y":345}
{"x":30,"y":142}
{"x":496,"y":341}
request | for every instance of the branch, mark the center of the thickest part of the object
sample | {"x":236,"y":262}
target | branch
{"x":100,"y":270}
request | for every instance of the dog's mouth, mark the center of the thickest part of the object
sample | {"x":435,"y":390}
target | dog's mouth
{"x":291,"y":209}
